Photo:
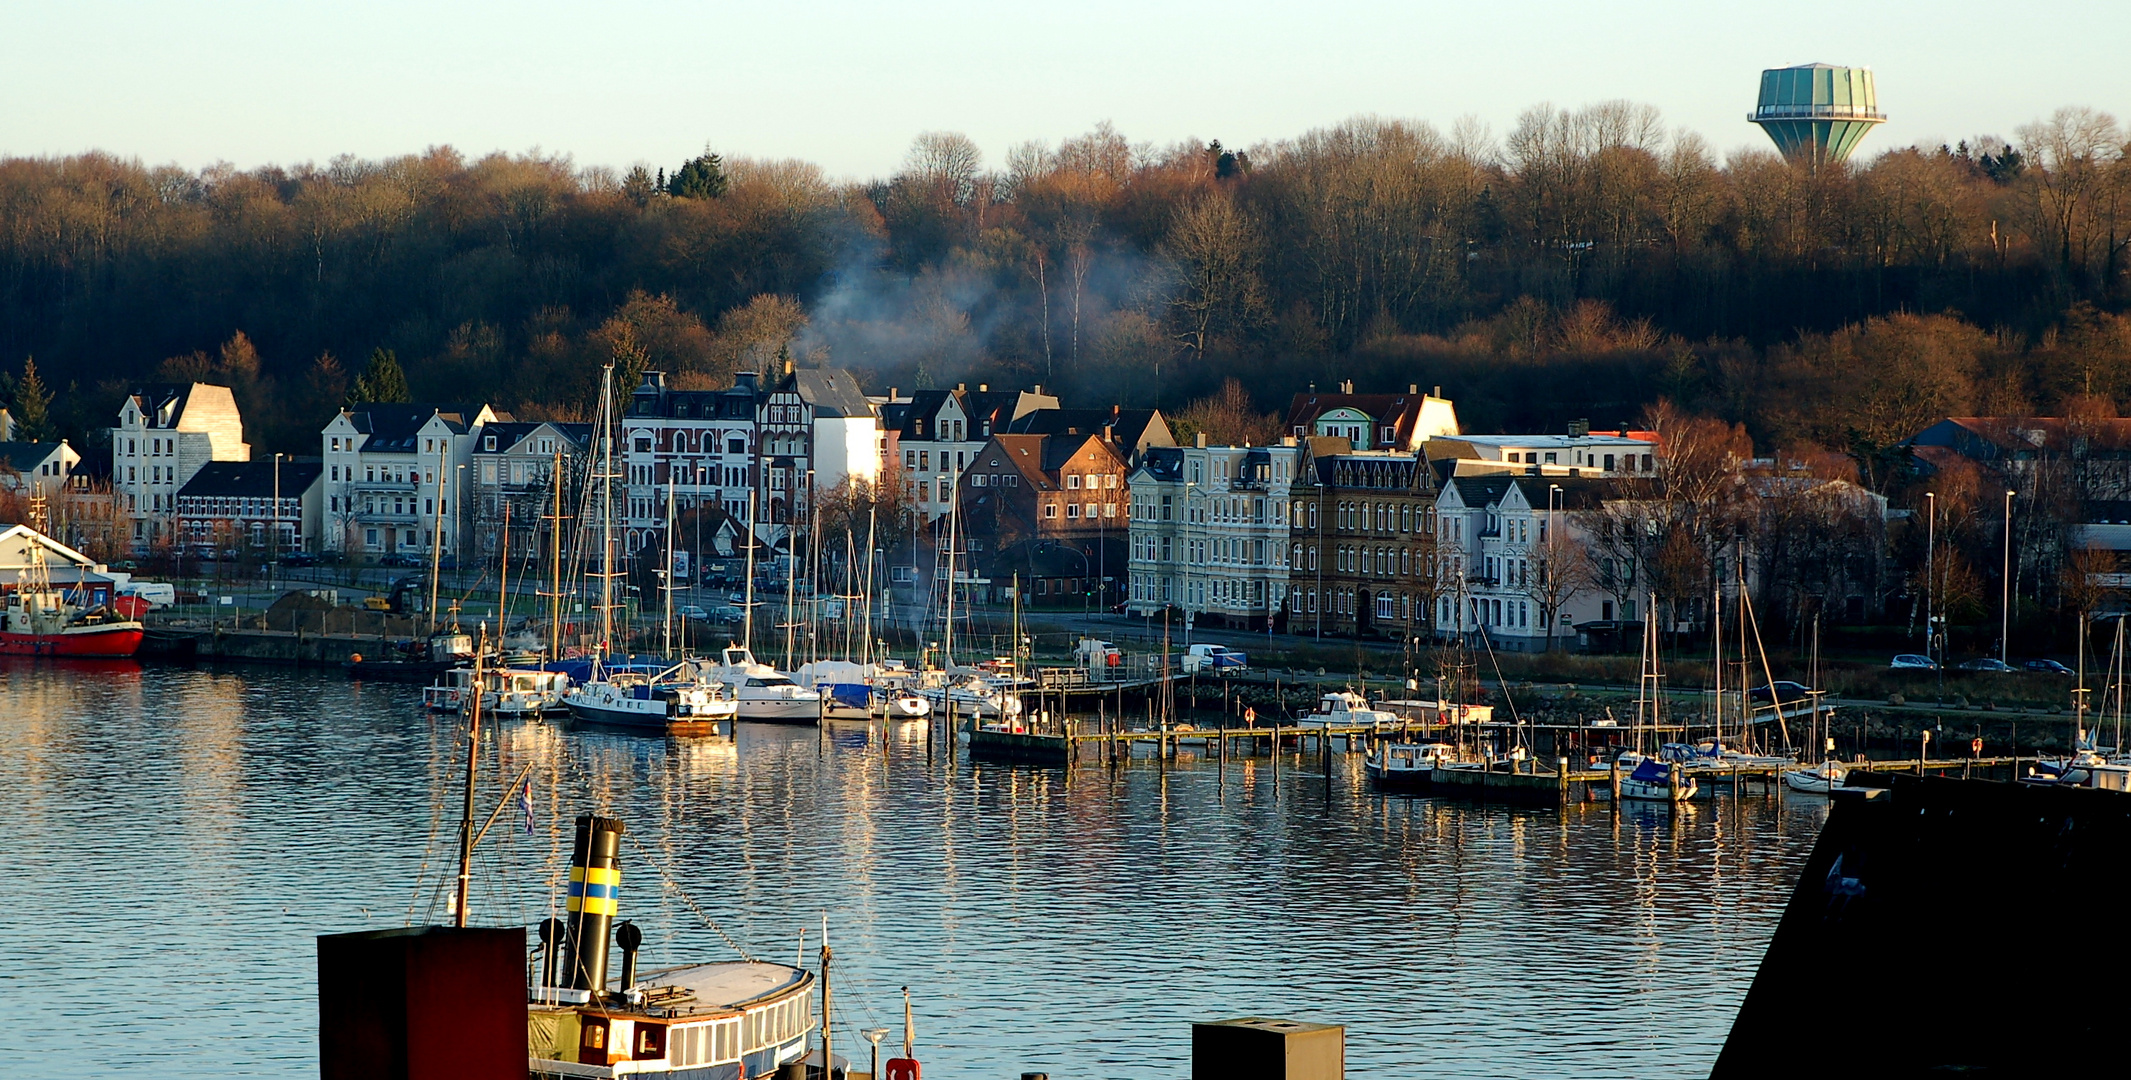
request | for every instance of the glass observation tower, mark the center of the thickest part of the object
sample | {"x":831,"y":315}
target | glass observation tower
{"x":1817,"y":111}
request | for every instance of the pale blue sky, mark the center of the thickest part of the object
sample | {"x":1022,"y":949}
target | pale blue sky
{"x":847,"y":85}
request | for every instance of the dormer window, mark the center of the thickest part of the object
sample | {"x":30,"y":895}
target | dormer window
{"x":488,"y":442}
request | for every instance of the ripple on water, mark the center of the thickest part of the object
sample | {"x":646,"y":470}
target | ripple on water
{"x":192,"y":830}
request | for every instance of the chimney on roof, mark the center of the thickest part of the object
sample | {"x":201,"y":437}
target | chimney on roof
{"x":1109,"y":433}
{"x":1346,"y":386}
{"x":1036,"y":389}
{"x":1287,"y":440}
{"x":891,"y":393}
{"x":1438,"y":391}
{"x":1199,"y":440}
{"x":961,"y":388}
{"x":1313,"y":388}
{"x":984,"y":388}
{"x":1579,"y":428}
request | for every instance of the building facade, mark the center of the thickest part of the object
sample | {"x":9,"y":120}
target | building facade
{"x":1578,"y":453}
{"x":276,"y":506}
{"x":37,"y":468}
{"x":1519,"y":560}
{"x":394,"y":477}
{"x":1211,"y":532}
{"x":1363,"y":554}
{"x":1023,"y":495}
{"x":701,"y":445}
{"x":164,"y":435}
{"x":937,"y":433}
{"x":515,"y":469}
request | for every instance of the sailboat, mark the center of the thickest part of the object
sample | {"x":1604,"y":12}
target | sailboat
{"x":1651,"y":779}
{"x":1829,"y":774}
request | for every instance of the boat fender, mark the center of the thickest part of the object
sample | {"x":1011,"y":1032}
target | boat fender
{"x":355,"y":658}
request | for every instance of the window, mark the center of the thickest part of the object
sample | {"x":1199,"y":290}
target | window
{"x":1073,"y":481}
{"x":1050,"y":509}
{"x":1072,"y":510}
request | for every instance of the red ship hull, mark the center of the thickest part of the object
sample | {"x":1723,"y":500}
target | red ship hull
{"x":112,"y":641}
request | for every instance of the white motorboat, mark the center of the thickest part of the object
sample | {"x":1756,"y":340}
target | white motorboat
{"x":1651,"y":781}
{"x":764,"y":695}
{"x":1345,"y":708}
{"x":972,"y":696}
{"x":1815,"y":779}
{"x":669,"y":699}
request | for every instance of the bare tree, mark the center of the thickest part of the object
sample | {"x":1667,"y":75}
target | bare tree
{"x":1213,"y":246}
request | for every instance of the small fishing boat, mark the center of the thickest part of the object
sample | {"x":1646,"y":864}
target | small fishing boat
{"x":1818,"y":779}
{"x":422,"y":661}
{"x":972,"y":695}
{"x":861,"y":691}
{"x":39,"y":621}
{"x":1408,"y":766}
{"x":508,"y":691}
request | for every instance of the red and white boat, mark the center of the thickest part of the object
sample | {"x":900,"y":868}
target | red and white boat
{"x":40,"y":622}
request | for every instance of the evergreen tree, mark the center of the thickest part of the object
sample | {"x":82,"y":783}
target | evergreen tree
{"x":33,"y":418}
{"x":700,"y":178}
{"x":636,"y":187}
{"x":382,"y":382}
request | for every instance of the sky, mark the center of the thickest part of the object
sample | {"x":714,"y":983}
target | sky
{"x":847,"y":85}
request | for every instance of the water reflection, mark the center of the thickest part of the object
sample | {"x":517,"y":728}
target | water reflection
{"x":200,"y":827}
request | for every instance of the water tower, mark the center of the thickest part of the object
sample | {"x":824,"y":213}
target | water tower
{"x":1818,"y":111}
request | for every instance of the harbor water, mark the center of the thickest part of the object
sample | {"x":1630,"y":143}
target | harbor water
{"x":180,"y":836}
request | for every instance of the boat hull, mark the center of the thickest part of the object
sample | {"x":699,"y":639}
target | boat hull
{"x":642,"y":719}
{"x":118,"y":641}
{"x":781,"y":711}
{"x":1401,"y":779}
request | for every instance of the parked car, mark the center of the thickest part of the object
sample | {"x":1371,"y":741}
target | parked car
{"x":1782,"y":691}
{"x":399,"y":558}
{"x":1913,"y":662}
{"x":2047,"y":667}
{"x":726,"y":613}
{"x":1213,"y":658}
{"x":299,"y":558}
{"x":1985,"y":664}
{"x":692,"y":611}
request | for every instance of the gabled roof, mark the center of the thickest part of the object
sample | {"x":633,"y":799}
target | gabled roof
{"x":24,"y":457}
{"x":1026,"y":454}
{"x":251,"y":479}
{"x":163,"y":405}
{"x":923,"y":405}
{"x":1060,"y":449}
{"x":1577,"y":492}
{"x":1401,"y":411}
{"x":1163,"y":464}
{"x":833,"y":392}
{"x":1138,"y":429}
{"x":510,"y":433}
{"x":393,"y":428}
{"x":10,"y":535}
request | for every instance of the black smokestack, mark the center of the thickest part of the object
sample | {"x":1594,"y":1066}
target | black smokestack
{"x":595,"y":889}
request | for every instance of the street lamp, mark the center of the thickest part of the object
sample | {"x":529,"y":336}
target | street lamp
{"x":1554,"y":495}
{"x":1931,"y":580}
{"x":273,"y":570}
{"x":2005,"y":584}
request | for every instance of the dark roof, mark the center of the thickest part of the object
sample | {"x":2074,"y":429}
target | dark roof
{"x":923,"y":405}
{"x":24,"y":456}
{"x":1165,"y":463}
{"x":1401,"y":411}
{"x":1577,"y":492}
{"x":832,"y":392}
{"x":1135,"y":428}
{"x":509,"y":433}
{"x":393,"y":428}
{"x":152,"y":400}
{"x":251,"y":479}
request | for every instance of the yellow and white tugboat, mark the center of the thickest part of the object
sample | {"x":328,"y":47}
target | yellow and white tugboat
{"x":721,"y":1021}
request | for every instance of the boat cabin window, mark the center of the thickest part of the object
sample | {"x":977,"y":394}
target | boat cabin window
{"x":727,"y":1048}
{"x":650,"y":1042}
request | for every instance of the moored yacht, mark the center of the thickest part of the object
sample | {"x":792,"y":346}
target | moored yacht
{"x":672,"y":699}
{"x":1343,"y":708}
{"x":763,"y":694}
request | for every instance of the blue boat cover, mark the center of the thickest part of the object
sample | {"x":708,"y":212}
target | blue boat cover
{"x":1651,"y":771}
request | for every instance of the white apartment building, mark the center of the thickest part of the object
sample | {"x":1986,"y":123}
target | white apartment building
{"x":1494,"y":542}
{"x":393,"y":477}
{"x":1626,"y":453}
{"x":164,"y":435}
{"x":1209,"y":531}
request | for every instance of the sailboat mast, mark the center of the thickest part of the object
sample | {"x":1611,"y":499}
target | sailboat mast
{"x":436,"y":541}
{"x":606,"y":510}
{"x":666,"y":639}
{"x":466,"y":816}
{"x":868,"y":624}
{"x":1716,"y":642}
{"x":947,"y":660}
{"x":503,"y":578}
{"x":555,"y":568}
{"x":747,"y":610}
